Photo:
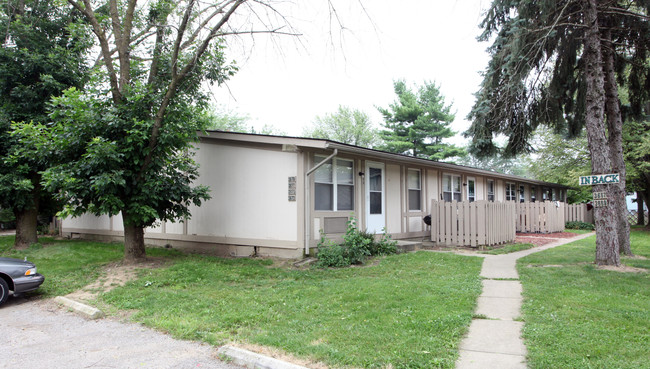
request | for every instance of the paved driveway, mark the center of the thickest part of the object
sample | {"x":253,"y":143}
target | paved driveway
{"x":38,"y":334}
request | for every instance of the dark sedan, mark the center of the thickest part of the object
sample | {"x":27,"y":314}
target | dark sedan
{"x":18,"y":276}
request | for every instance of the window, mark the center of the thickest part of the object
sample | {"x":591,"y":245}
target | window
{"x":532,"y":193}
{"x":510,"y":192}
{"x":414,"y":189}
{"x":451,"y":187}
{"x":522,"y":191}
{"x":334,"y":185}
{"x":546,"y":193}
{"x":490,"y":190}
{"x":471,"y":189}
{"x":554,"y":194}
{"x":375,"y":188}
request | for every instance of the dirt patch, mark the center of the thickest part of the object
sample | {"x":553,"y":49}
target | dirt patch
{"x":540,"y":239}
{"x":622,"y":269}
{"x":115,"y":275}
{"x":545,"y":266}
{"x":549,"y":235}
{"x":281,"y":355}
{"x":635,"y":257}
{"x":537,"y":241}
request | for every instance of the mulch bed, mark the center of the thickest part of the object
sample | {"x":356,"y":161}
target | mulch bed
{"x":539,"y":239}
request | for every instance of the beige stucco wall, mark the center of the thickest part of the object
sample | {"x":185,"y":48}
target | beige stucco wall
{"x":249,"y":194}
{"x":433,"y":190}
{"x":88,"y":221}
{"x":480,"y":188}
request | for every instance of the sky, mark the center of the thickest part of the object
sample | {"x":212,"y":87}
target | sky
{"x":286,"y":81}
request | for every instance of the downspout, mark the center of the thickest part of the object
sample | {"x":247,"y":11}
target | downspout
{"x":307,"y":199}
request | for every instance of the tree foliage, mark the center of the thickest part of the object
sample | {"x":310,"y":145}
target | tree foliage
{"x":496,"y":163}
{"x":221,"y":120}
{"x":129,"y":147}
{"x":43,"y":53}
{"x":559,"y":63}
{"x":561,"y":160}
{"x":418,"y":122}
{"x":636,"y":136}
{"x":536,"y":74}
{"x":350,"y":126}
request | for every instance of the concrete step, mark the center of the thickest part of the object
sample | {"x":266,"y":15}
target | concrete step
{"x":408,"y":246}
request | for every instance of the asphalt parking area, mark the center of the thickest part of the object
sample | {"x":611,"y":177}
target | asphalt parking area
{"x":39,"y":334}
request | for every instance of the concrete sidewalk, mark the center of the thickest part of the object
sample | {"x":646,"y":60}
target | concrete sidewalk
{"x":495,"y":341}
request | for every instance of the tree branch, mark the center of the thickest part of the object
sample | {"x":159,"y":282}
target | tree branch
{"x":179,"y":37}
{"x":176,"y":80}
{"x":86,"y":9}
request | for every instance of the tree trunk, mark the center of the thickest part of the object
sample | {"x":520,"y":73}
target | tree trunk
{"x":640,"y":214}
{"x":134,"y":250}
{"x":27,"y":219}
{"x":26,"y":227}
{"x":607,"y":248}
{"x":615,"y":141}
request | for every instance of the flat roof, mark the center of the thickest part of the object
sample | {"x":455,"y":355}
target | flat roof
{"x":323,"y":144}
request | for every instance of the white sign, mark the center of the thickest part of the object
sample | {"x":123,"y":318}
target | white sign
{"x":600,"y":179}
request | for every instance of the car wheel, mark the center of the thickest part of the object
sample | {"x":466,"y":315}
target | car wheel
{"x":4,"y":291}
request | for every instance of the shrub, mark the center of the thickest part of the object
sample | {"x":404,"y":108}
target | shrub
{"x":356,"y":247}
{"x":357,"y":243}
{"x":330,"y":254}
{"x":385,"y":246}
{"x":579,"y":225}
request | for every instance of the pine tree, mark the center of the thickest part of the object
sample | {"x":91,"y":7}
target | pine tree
{"x":417,"y":123}
{"x":559,"y":63}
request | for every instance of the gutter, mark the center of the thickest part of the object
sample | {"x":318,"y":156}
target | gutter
{"x":436,"y":164}
{"x":308,"y":200}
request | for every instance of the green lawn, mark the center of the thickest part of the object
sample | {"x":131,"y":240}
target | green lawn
{"x":507,"y":248}
{"x":67,"y":265}
{"x":577,"y":316}
{"x":577,"y":231}
{"x":407,"y":311}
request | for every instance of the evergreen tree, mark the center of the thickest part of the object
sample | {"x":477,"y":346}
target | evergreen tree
{"x":556,"y":63}
{"x":417,"y":123}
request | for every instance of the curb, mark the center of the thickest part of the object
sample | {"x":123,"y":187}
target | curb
{"x":252,"y":360}
{"x":83,"y":309}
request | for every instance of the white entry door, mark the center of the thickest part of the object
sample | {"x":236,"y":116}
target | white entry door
{"x":375,"y":198}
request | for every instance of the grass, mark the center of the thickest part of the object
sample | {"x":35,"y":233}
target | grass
{"x":409,"y":311}
{"x":578,"y":316}
{"x":578,"y":231}
{"x":507,"y":248}
{"x":66,"y":265}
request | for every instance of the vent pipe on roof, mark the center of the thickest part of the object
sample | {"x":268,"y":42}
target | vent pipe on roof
{"x":308,"y":223}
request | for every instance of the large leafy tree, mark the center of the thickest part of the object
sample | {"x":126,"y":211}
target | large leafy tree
{"x":418,"y":122}
{"x":43,"y":53}
{"x":350,"y":126}
{"x":496,"y":163}
{"x":555,"y":63}
{"x":561,"y":160}
{"x":130,"y":133}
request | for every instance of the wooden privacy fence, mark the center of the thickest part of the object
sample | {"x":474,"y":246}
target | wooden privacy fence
{"x":540,"y":217}
{"x":578,"y":213}
{"x":472,"y":223}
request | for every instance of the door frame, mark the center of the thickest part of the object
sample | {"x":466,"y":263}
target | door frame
{"x":382,"y":216}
